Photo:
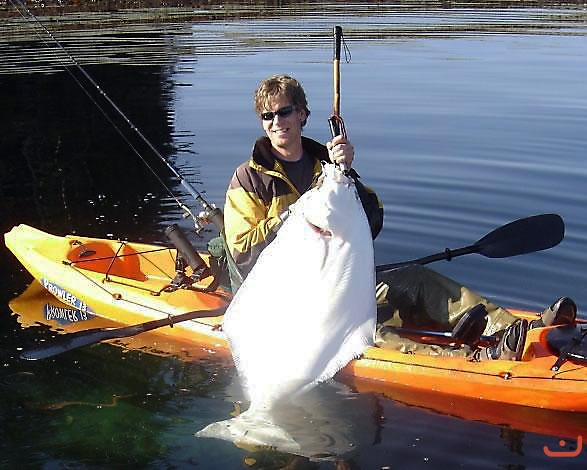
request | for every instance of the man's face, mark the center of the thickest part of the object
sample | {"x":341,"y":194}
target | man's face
{"x":283,"y":130}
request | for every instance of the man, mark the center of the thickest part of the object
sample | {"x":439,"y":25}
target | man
{"x":283,"y":166}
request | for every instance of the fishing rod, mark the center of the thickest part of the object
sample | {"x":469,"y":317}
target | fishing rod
{"x":210,"y":212}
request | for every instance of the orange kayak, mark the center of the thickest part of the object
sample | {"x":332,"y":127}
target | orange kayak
{"x":127,"y":283}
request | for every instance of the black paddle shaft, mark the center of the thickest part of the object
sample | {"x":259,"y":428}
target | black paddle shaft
{"x":527,"y":235}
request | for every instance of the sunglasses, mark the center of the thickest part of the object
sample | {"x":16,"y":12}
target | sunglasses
{"x":281,"y":112}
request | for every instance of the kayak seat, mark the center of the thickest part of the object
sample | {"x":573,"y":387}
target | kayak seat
{"x":537,"y":345}
{"x":569,"y":342}
{"x":562,"y":312}
{"x":100,"y":257}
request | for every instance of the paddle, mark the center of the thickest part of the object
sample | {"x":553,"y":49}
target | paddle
{"x":443,"y":336}
{"x":521,"y":236}
{"x":69,"y":341}
{"x":527,"y":235}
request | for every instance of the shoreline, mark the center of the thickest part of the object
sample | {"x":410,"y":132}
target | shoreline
{"x":156,"y":9}
{"x":64,"y":7}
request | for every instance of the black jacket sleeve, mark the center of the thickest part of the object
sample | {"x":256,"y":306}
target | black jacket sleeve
{"x":371,"y":204}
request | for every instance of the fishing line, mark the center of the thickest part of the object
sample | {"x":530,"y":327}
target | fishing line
{"x":347,"y":51}
{"x":18,"y":5}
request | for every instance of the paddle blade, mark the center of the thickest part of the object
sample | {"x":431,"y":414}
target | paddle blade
{"x":66,"y":342}
{"x":535,"y":233}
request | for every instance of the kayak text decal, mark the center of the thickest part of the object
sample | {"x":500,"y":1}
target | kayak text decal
{"x":64,"y":315}
{"x":66,"y":297}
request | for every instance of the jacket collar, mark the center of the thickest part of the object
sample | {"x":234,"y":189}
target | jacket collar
{"x":263,"y":156}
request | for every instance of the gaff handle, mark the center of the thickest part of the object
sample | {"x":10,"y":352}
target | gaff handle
{"x":336,"y":69}
{"x":335,"y":122}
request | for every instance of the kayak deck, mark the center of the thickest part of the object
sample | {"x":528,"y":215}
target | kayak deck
{"x":120,"y":281}
{"x":125,"y":282}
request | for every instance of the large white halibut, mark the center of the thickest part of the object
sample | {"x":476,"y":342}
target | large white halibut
{"x":308,"y":306}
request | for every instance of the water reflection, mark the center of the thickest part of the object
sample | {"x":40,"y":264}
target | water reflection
{"x":128,"y":391}
{"x":103,"y":403}
{"x":511,"y":417}
{"x":69,"y":166}
{"x":327,"y":423}
{"x":178,"y":36}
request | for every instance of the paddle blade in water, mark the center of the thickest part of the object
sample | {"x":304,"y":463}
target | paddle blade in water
{"x":64,"y":343}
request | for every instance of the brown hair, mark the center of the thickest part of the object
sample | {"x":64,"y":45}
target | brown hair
{"x":281,"y":85}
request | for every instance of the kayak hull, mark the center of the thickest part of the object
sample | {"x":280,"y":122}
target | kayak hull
{"x":80,"y":272}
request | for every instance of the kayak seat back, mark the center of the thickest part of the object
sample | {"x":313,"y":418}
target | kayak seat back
{"x":569,"y":342}
{"x":100,"y":257}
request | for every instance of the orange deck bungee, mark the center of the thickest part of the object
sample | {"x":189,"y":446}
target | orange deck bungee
{"x":124,"y":282}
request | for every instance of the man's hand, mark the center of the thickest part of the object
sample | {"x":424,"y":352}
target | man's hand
{"x":341,"y":151}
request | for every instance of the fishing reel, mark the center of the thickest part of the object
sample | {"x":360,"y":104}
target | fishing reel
{"x":199,"y":220}
{"x":210,"y":215}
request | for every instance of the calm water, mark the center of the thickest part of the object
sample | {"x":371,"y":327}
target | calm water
{"x":463,"y":119}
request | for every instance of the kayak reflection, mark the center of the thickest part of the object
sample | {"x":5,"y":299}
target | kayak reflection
{"x":36,"y":307}
{"x":329,"y":422}
{"x":568,"y":424}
